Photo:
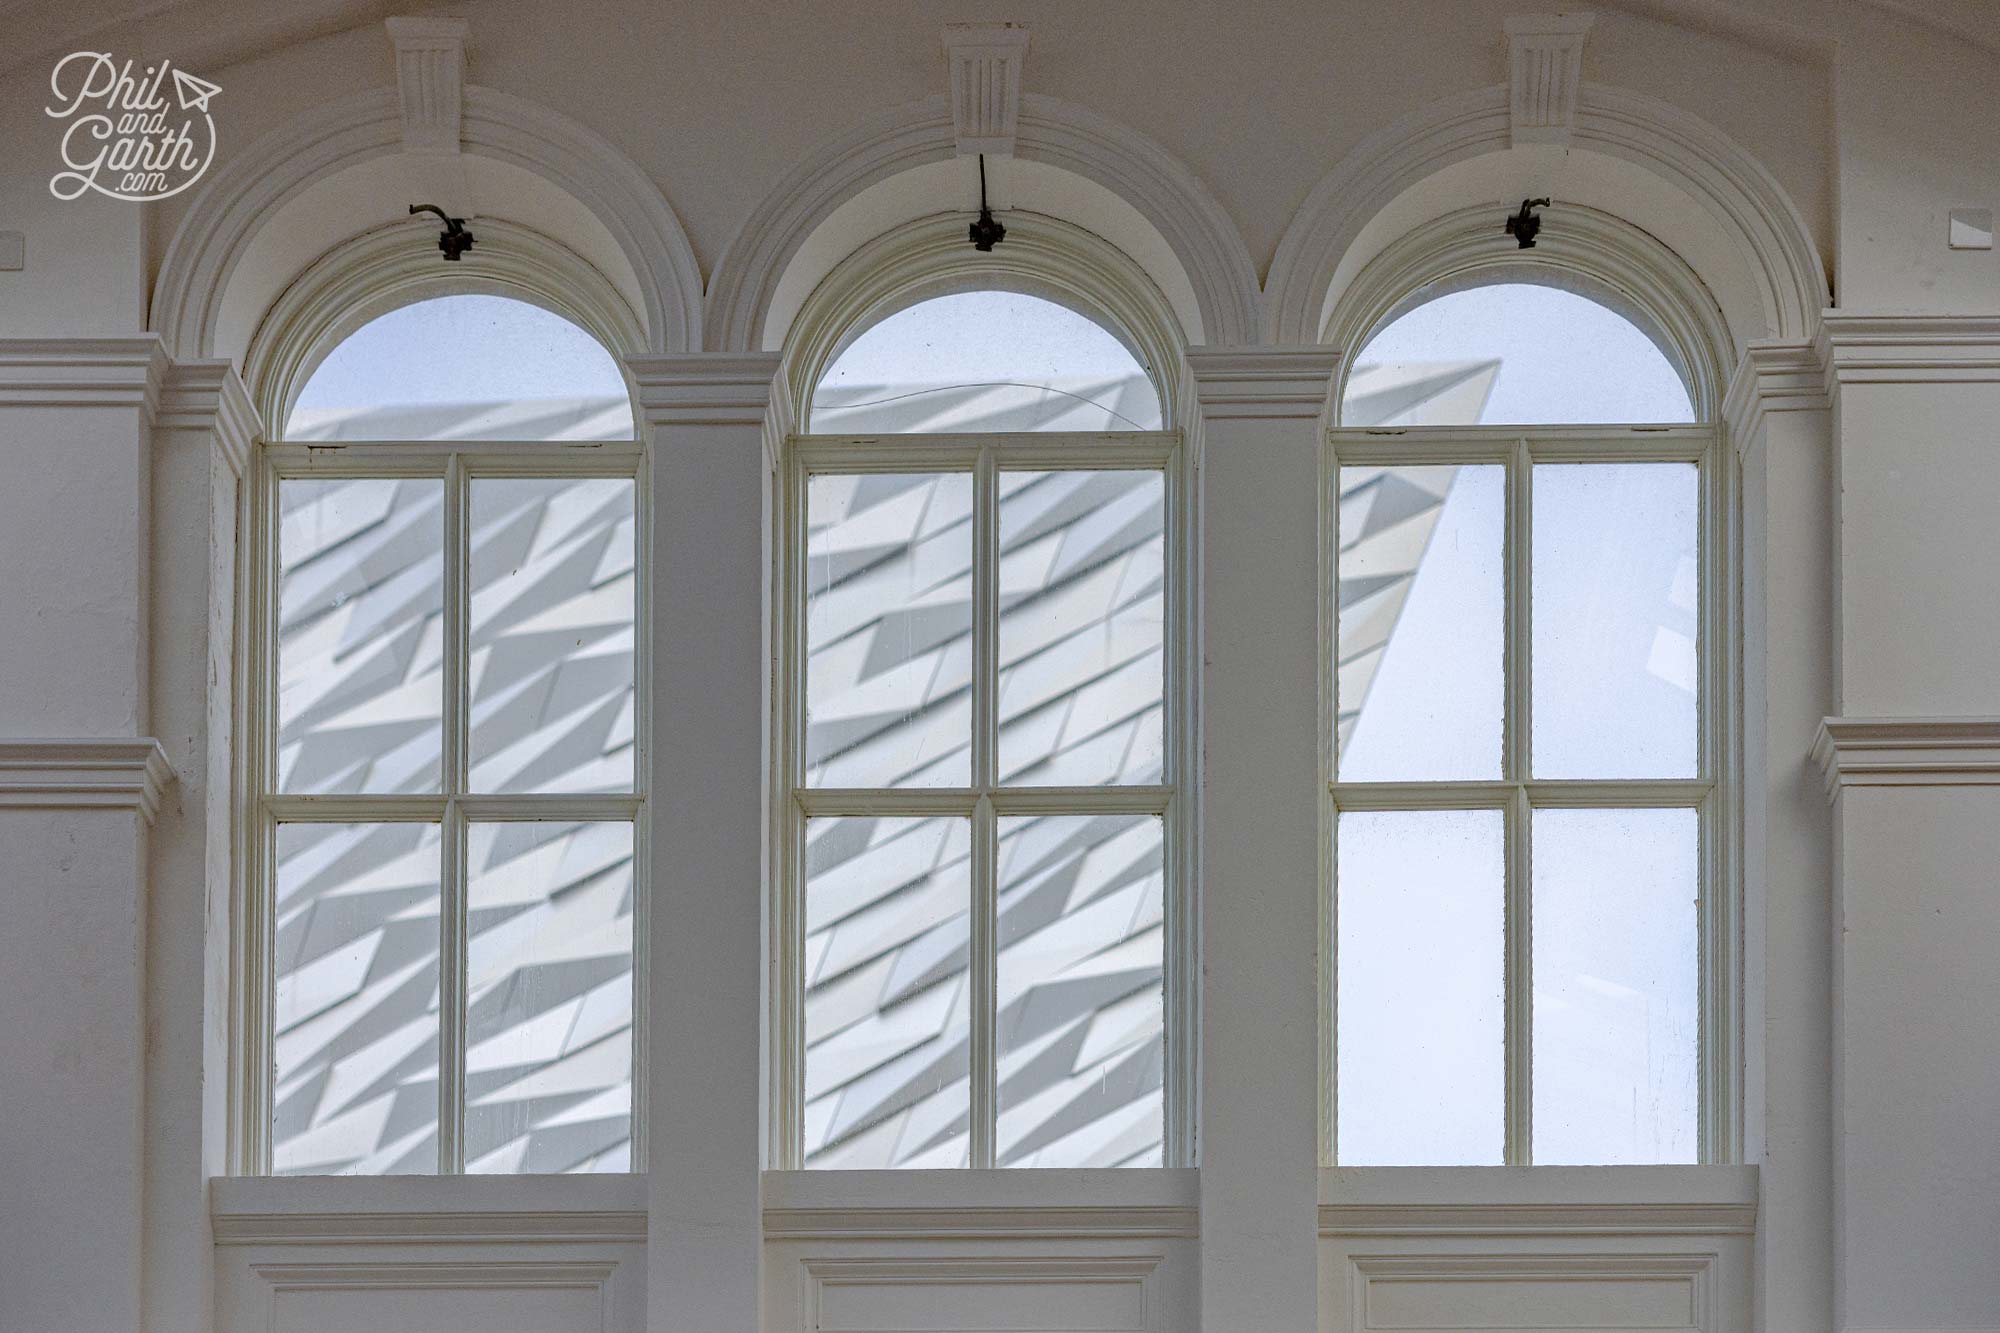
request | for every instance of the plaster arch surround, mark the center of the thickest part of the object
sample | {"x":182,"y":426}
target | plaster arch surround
{"x":328,"y":177}
{"x":1634,"y":158}
{"x":1069,"y":163}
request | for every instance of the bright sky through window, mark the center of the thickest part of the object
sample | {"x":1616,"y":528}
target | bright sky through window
{"x":988,"y":360}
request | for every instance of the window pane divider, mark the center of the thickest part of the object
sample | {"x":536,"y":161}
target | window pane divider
{"x":432,"y":458}
{"x":818,"y":802}
{"x":452,"y":907}
{"x":1664,"y":793}
{"x":1516,"y":760}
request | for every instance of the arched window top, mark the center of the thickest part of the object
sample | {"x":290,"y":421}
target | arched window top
{"x":987,"y":360}
{"x":465,"y":367}
{"x":1512,"y":353}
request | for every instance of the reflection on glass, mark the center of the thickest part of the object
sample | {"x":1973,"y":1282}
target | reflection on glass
{"x":360,"y":635}
{"x":355,"y":1008}
{"x":1082,"y":629}
{"x":548,"y":1058}
{"x":1617,"y":1025}
{"x":1421,"y":596}
{"x":888,"y":992}
{"x":465,"y":367}
{"x":889,"y":630}
{"x":1420,"y":1017}
{"x":1616,"y":593}
{"x":551,"y":634}
{"x":985,"y":361}
{"x":1512,"y":353}
{"x":1080,"y":1009}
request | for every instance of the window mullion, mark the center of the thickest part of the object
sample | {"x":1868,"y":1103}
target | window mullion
{"x":452,"y":923}
{"x":985,"y":970}
{"x":1517,"y":760}
{"x":985,"y":825}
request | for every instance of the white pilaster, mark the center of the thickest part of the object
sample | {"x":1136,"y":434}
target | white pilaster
{"x":1911,"y":757}
{"x":709,"y":480}
{"x":74,"y":525}
{"x":1779,"y":422}
{"x":1262,"y":419}
{"x":201,"y":440}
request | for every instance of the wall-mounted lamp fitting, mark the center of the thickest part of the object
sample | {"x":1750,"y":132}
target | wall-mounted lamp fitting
{"x":986,"y":233}
{"x":1524,"y":225}
{"x":454,"y":240}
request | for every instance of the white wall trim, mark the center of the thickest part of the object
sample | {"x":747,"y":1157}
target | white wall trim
{"x":703,"y":388}
{"x":210,"y":396}
{"x":545,"y":1226}
{"x":1909,"y":349}
{"x":1908,"y":752}
{"x":1772,"y":376}
{"x":408,"y":1210}
{"x":84,"y":774}
{"x":1545,"y":68}
{"x":1137,"y":1222}
{"x":1232,"y":383}
{"x":430,"y":80}
{"x":1130,"y":165}
{"x":1537,"y":1219}
{"x":985,"y":61}
{"x":262,"y":177}
{"x":1678,"y":146}
{"x":82,"y":372}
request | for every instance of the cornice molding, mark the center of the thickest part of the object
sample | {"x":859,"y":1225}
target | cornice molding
{"x":704,"y":388}
{"x":1908,"y":752}
{"x":210,"y":396}
{"x":1283,"y":383}
{"x":550,"y":1227}
{"x":1047,"y":1223}
{"x":1537,"y":1219}
{"x":1773,"y":376}
{"x":82,"y":372}
{"x":1909,"y":349}
{"x":84,"y":774}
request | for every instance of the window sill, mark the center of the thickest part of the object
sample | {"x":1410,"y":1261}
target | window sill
{"x":1043,"y":1204}
{"x":307,"y":1210}
{"x":1537,"y":1200}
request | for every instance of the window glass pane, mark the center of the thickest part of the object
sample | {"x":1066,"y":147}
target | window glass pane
{"x":888,"y":630}
{"x":985,"y":361}
{"x":1616,"y":591}
{"x":551,"y":634}
{"x":1617,"y":1023}
{"x":888,"y":992}
{"x":355,"y":1006}
{"x":1082,"y":628}
{"x":1420,"y":952}
{"x":1511,"y":353}
{"x":465,"y":368}
{"x":1422,"y":598}
{"x":360,"y":635}
{"x":1080,"y":1009}
{"x":548,"y":1036}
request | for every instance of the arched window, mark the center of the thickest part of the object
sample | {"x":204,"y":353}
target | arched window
{"x":1527,"y":742}
{"x":447,"y":748}
{"x":982,"y":753}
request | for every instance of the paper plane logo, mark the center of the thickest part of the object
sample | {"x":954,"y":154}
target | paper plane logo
{"x":125,"y":138}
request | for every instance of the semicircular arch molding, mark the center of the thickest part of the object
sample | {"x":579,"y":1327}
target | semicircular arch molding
{"x":1209,"y":258}
{"x":203,"y":288}
{"x":1737,"y":207}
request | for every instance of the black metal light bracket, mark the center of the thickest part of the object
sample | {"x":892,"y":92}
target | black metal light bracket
{"x":1524,"y":225}
{"x":986,"y":233}
{"x":454,"y":240}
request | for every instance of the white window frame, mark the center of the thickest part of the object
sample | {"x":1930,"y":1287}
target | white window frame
{"x":984,"y":802}
{"x":1711,"y":792}
{"x":453,"y":808}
